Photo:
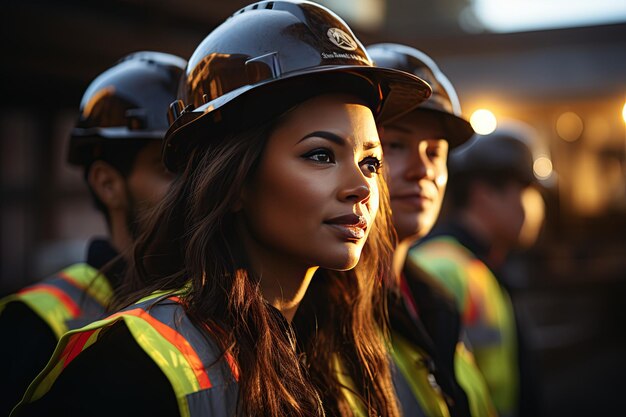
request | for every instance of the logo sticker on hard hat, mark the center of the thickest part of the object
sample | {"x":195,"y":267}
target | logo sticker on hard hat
{"x":341,"y":39}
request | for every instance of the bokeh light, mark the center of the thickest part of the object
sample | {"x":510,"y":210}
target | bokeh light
{"x":535,"y":213}
{"x":483,"y":121}
{"x":542,"y":167}
{"x":569,"y":126}
{"x":598,"y":128}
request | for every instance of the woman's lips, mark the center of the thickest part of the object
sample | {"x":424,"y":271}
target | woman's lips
{"x":416,"y":200}
{"x":349,"y":226}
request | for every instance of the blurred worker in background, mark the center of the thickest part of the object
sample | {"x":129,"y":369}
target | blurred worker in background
{"x":117,"y":142}
{"x":489,"y":177}
{"x":425,"y":323}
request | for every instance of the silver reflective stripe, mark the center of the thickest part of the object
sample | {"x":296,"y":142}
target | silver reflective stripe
{"x":218,"y":401}
{"x":173,"y":315}
{"x":90,"y":309}
{"x":221,"y":399}
{"x":406,"y":399}
{"x":481,"y":335}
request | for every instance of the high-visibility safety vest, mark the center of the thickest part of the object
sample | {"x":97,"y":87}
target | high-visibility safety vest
{"x":473,"y":383}
{"x":416,"y":388}
{"x":487,"y":314}
{"x":203,"y":380}
{"x":68,"y":300}
{"x":348,"y":389}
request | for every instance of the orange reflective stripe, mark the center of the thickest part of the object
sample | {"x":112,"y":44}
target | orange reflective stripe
{"x":233,"y":366}
{"x":177,"y":340}
{"x":175,"y":298}
{"x":70,"y":280}
{"x":230,"y":360}
{"x":65,"y":299}
{"x":75,"y":346}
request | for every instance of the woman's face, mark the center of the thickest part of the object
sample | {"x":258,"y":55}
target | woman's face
{"x":416,"y":153}
{"x":314,"y":196}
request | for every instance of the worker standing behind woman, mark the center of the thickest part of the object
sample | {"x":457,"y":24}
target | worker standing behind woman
{"x":278,"y":156}
{"x":489,"y":177}
{"x":424,"y":320}
{"x":117,"y":142}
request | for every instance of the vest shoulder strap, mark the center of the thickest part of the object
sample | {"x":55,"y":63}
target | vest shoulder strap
{"x":75,"y":296}
{"x":203,"y":379}
{"x":411,"y":370}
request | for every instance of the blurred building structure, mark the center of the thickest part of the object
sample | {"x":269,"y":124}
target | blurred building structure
{"x":569,"y":83}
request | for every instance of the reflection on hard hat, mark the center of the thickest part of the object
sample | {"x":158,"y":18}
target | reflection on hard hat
{"x":569,"y":126}
{"x":483,"y":121}
{"x":542,"y":167}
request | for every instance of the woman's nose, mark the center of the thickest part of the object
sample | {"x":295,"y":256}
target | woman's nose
{"x":356,"y":187}
{"x":419,"y":165}
{"x":357,"y":194}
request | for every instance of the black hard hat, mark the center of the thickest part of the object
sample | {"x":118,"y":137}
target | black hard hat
{"x":270,"y":56}
{"x":505,"y":153}
{"x":129,"y":101}
{"x":444,"y":102}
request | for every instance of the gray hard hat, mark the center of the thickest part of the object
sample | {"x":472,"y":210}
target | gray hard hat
{"x":506,"y":152}
{"x":444,"y":103}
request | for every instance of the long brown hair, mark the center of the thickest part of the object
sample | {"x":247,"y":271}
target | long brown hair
{"x":191,"y":239}
{"x":343,"y":316}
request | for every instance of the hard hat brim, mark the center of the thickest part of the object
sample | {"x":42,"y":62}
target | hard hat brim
{"x":390,"y":94}
{"x":457,"y":130}
{"x":82,"y":141}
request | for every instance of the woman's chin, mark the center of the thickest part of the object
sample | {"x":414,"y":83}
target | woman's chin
{"x":345,"y":262}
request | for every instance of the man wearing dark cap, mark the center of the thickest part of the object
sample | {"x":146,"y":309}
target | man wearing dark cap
{"x":484,"y":217}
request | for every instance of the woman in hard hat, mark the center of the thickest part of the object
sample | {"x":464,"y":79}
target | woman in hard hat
{"x":275,"y":143}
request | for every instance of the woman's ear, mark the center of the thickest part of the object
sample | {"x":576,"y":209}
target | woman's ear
{"x":108,"y":185}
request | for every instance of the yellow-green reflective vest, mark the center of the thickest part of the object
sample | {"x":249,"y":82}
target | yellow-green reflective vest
{"x":204,"y":381}
{"x":348,"y":389}
{"x":68,"y":300}
{"x":471,"y":380}
{"x":416,"y":388}
{"x":486,"y":311}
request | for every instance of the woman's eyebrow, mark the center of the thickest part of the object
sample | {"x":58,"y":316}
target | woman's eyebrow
{"x":326,"y":135}
{"x":339,"y":140}
{"x":371,"y":145}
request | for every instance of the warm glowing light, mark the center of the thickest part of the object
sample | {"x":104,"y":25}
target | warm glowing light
{"x":483,"y":121}
{"x":366,"y":14}
{"x":624,"y":112}
{"x":542,"y":167}
{"x":569,"y":126}
{"x":598,"y":128}
{"x":524,"y":15}
{"x":535,"y":213}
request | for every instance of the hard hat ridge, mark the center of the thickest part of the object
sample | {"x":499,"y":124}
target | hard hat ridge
{"x":128,"y":101}
{"x":444,"y":102}
{"x":270,"y":56}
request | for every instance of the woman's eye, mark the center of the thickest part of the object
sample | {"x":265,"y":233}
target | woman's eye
{"x":373,"y":164}
{"x":393,"y":145}
{"x":433,"y":153}
{"x":320,"y":155}
{"x":436,"y":152}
